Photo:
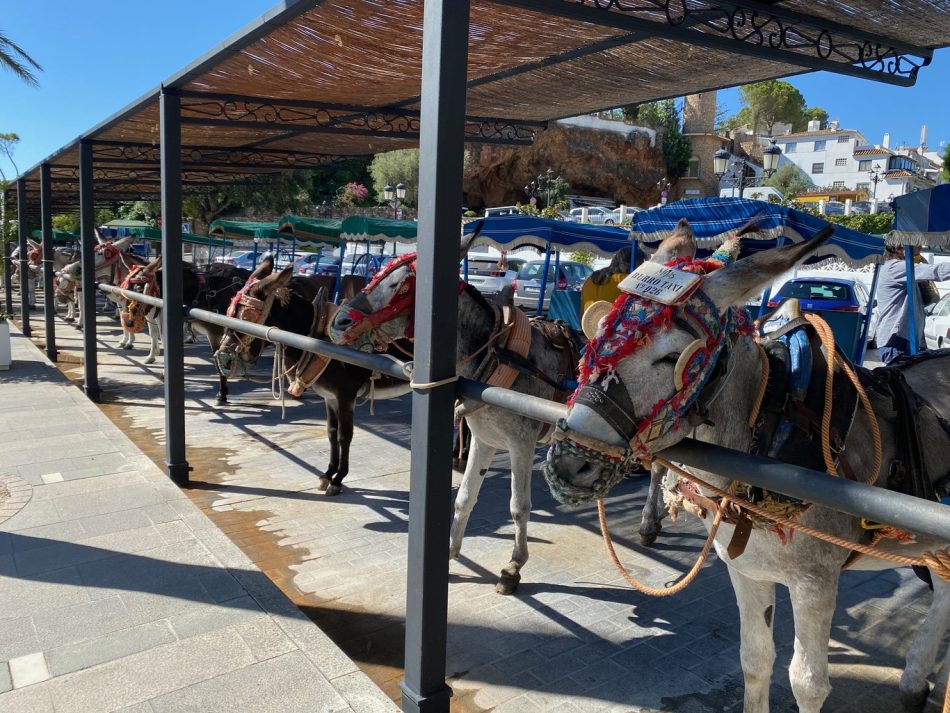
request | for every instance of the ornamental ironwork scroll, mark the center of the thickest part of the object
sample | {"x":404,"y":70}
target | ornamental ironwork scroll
{"x":812,"y":41}
{"x":131,"y":154}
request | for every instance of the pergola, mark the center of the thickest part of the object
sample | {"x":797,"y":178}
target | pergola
{"x":316,"y":80}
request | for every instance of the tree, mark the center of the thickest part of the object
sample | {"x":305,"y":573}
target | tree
{"x":945,"y":170}
{"x":391,"y":167}
{"x":8,"y":142}
{"x":15,"y":59}
{"x":773,"y":101}
{"x":790,"y":180}
{"x":663,"y":115}
{"x":812,"y":113}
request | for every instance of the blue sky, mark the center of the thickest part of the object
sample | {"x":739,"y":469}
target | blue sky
{"x":100,"y":55}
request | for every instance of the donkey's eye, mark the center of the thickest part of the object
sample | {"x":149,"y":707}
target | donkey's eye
{"x":670,"y":359}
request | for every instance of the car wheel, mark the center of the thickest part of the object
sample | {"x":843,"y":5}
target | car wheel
{"x":608,"y":222}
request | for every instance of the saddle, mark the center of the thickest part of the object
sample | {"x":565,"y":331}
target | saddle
{"x":310,"y":366}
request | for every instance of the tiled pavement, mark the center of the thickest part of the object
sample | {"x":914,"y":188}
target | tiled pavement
{"x":574,"y":638}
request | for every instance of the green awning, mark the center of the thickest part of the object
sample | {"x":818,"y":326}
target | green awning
{"x":122,"y":223}
{"x":319,"y":229}
{"x":155,"y":235}
{"x":59,"y":236}
{"x":359,"y":227}
{"x":244,"y":229}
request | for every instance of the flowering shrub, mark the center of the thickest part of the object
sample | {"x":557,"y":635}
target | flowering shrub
{"x":352,"y":194}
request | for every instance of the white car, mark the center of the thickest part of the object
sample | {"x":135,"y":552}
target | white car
{"x":595,"y":215}
{"x":485,"y":275}
{"x":937,"y":324}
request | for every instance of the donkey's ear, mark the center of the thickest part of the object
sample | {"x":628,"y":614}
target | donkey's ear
{"x":469,"y":240}
{"x":735,"y":283}
{"x":264,"y":268}
{"x":98,"y":235}
{"x":682,"y":243}
{"x":154,"y":265}
{"x":280,"y":279}
{"x":320,"y":298}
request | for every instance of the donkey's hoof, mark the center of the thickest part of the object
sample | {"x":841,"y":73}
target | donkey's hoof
{"x":648,"y":538}
{"x":508,"y":582}
{"x":221,"y":401}
{"x":150,"y":360}
{"x":323,"y":484}
{"x":334,"y":490}
{"x":915,"y":700}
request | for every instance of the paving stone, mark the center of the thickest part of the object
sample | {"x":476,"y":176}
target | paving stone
{"x":209,"y":618}
{"x":221,"y":585}
{"x":17,"y":638}
{"x":32,"y":699}
{"x":264,"y":638}
{"x":6,"y":682}
{"x":28,"y":669}
{"x":111,"y":647}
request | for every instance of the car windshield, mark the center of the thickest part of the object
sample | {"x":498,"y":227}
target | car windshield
{"x":815,"y":291}
{"x":483,"y":267}
{"x":533,"y":271}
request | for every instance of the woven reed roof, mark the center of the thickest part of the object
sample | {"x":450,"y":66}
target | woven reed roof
{"x":314,"y":80}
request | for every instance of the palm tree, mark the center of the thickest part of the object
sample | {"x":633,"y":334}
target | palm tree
{"x":14,"y":58}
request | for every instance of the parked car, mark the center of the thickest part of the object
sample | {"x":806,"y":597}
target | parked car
{"x":315,"y":263}
{"x":830,"y":294}
{"x":570,"y":276}
{"x":595,"y":215}
{"x":834,"y":208}
{"x":937,"y":324}
{"x":617,"y":219}
{"x":502,"y":210}
{"x":243,"y":259}
{"x":487,"y":277}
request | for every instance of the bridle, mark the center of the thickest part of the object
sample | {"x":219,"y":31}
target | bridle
{"x":632,"y":323}
{"x":250,"y":309}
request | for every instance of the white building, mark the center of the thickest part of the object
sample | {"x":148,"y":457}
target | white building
{"x":843,"y":160}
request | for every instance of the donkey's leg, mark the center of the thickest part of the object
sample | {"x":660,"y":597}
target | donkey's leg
{"x":522,"y":462}
{"x":813,"y":605}
{"x":653,"y":510}
{"x":155,"y":333}
{"x":756,"y":602}
{"x":926,"y":646}
{"x":214,"y":339}
{"x":479,"y":458}
{"x":333,"y":435}
{"x":345,"y":407}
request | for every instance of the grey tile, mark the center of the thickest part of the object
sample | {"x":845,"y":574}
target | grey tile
{"x":362,"y":694}
{"x":289,"y":684}
{"x":221,"y":585}
{"x":111,"y":647}
{"x":122,"y":498}
{"x":79,"y":622}
{"x":264,"y":638}
{"x":17,"y":637}
{"x":6,"y":682}
{"x":114,"y":522}
{"x":209,"y":618}
{"x":32,"y":699}
{"x":24,"y":597}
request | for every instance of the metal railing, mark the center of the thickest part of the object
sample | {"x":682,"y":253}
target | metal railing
{"x":858,"y":499}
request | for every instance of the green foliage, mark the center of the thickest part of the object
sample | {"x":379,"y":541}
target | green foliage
{"x":945,"y":170}
{"x":325,"y":181}
{"x":876,"y":224}
{"x":583,"y":257}
{"x":676,"y":147}
{"x":812,"y":113}
{"x":552,"y":211}
{"x":281,"y":193}
{"x":15,"y":59}
{"x":67,"y":222}
{"x":388,"y":169}
{"x":790,"y":180}
{"x":147,"y":211}
{"x":773,"y":101}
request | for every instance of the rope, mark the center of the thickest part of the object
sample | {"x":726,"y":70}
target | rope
{"x":938,"y":562}
{"x":688,"y":578}
{"x":426,"y":385}
{"x":277,"y":377}
{"x":763,"y":386}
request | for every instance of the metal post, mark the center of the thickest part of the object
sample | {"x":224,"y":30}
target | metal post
{"x":441,"y":149}
{"x":24,"y":261}
{"x":87,"y":223}
{"x":293,"y":248}
{"x":465,"y":267}
{"x":172,"y":316}
{"x":254,"y":257}
{"x":337,"y":289}
{"x":767,"y":292}
{"x":7,"y":275}
{"x":863,"y":344}
{"x":544,"y":281}
{"x":911,"y":299}
{"x":46,"y":223}
{"x":634,"y":249}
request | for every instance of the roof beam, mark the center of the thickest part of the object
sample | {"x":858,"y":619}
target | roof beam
{"x":754,"y":29}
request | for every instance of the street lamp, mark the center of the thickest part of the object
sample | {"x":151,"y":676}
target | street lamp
{"x":544,"y":184}
{"x":875,"y":175}
{"x":396,"y":196}
{"x":736,"y":171}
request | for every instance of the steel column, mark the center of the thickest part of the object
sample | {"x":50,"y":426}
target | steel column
{"x":544,"y":282}
{"x":7,"y":273}
{"x":25,"y":281}
{"x":46,"y":223}
{"x":87,"y":225}
{"x":441,"y":149}
{"x":911,"y":298}
{"x":172,"y":291}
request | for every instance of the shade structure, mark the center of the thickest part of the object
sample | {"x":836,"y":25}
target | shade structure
{"x":361,"y":228}
{"x":922,"y":218}
{"x":126,"y":223}
{"x":59,"y":236}
{"x":244,"y":230}
{"x":507,"y":232}
{"x":155,"y":235}
{"x":311,"y":229}
{"x":715,"y":219}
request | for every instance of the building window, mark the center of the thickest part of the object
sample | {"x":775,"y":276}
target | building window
{"x":791,"y":147}
{"x":866,"y":187}
{"x":841,"y":162}
{"x":692,"y":171}
{"x":818,"y":168}
{"x":844,"y":139}
{"x":820,"y":145}
{"x":864,"y":164}
{"x":838,"y":184}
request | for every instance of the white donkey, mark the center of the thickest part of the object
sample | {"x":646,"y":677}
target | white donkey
{"x":112,"y":263}
{"x":656,"y":360}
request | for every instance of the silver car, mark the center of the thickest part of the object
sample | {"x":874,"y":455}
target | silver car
{"x":570,"y":276}
{"x":488,"y":276}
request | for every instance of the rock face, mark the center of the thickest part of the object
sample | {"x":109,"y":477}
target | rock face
{"x":621,"y":165}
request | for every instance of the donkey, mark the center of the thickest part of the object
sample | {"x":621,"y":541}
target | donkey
{"x":658,"y":360}
{"x":384,"y":310}
{"x":210,"y":288}
{"x":113,"y":261}
{"x":298,"y":304}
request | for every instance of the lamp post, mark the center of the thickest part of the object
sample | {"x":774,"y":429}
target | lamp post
{"x":257,"y":241}
{"x":395,"y":197}
{"x":544,"y":184}
{"x":735,"y":172}
{"x":875,"y":176}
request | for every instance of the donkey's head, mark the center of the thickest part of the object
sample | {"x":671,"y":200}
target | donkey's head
{"x":647,"y":365}
{"x":145,"y":281}
{"x":252,"y":303}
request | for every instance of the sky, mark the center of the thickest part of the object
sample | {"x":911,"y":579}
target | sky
{"x":100,"y":55}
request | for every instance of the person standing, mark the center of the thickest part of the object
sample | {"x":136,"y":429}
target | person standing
{"x":894,"y":326}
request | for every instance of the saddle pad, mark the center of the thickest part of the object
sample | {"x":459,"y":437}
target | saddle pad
{"x":517,"y":340}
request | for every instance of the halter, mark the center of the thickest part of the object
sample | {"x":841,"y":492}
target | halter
{"x":402,"y":300}
{"x":632,"y":323}
{"x":250,"y":309}
{"x":110,"y":253}
{"x":133,"y":319}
